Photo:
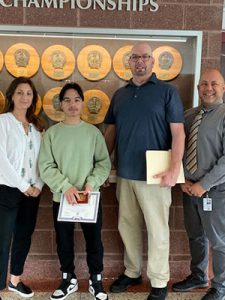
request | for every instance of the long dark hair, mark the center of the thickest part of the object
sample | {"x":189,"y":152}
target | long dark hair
{"x":31,"y":110}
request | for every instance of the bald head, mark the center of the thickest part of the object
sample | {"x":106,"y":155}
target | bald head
{"x":141,"y":62}
{"x":142,"y":47}
{"x":211,"y":86}
{"x":212,"y":73}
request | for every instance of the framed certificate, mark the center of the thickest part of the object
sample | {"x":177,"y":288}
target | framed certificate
{"x":85,"y":211}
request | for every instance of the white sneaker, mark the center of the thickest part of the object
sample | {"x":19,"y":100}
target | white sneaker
{"x":96,"y":287}
{"x":68,"y":286}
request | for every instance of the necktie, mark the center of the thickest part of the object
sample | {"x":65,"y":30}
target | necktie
{"x":191,"y":158}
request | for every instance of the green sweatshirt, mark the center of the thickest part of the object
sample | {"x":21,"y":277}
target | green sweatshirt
{"x":73,"y":155}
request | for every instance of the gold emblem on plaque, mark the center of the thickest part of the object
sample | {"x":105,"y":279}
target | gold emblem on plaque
{"x":1,"y":60}
{"x":168,"y":62}
{"x":96,"y":104}
{"x":51,"y":104}
{"x":22,"y":60}
{"x":58,"y":62}
{"x":2,"y":102}
{"x":94,"y":62}
{"x":121,"y":62}
{"x":38,"y":105}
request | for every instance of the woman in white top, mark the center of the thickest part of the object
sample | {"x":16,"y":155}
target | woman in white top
{"x":20,"y":184}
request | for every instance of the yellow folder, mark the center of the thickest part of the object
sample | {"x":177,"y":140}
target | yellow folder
{"x":159,"y":161}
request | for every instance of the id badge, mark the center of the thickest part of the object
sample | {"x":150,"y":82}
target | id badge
{"x":207,"y":204}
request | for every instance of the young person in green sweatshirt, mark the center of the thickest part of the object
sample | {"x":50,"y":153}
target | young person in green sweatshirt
{"x":73,"y":158}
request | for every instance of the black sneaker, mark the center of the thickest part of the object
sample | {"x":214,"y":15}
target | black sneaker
{"x":68,"y":286}
{"x":158,"y":294}
{"x":96,"y":287}
{"x":21,"y":289}
{"x":123,"y":283}
{"x":214,"y":294}
{"x":189,"y":284}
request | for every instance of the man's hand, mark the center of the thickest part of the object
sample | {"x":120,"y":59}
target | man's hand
{"x":168,"y":178}
{"x":197,"y":190}
{"x":185,"y":187}
{"x":72,"y":195}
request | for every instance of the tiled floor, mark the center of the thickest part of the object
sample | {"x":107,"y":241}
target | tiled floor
{"x":43,"y":291}
{"x":122,"y":296}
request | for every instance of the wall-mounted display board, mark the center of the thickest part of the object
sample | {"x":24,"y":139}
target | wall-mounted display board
{"x":97,"y":59}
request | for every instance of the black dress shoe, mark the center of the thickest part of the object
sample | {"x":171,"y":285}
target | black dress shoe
{"x":158,"y":294}
{"x":188,"y":284}
{"x":214,"y":294}
{"x":123,"y":283}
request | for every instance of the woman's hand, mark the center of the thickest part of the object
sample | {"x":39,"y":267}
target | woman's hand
{"x":32,"y":191}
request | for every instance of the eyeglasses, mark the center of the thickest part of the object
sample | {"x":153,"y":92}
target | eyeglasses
{"x":144,"y":57}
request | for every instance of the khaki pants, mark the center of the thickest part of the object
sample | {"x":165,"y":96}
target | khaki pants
{"x":139,"y":202}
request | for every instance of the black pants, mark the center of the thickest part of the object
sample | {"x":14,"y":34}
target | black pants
{"x":18,"y":214}
{"x":65,"y":243}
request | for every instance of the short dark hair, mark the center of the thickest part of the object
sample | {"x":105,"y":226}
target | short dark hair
{"x":71,"y":85}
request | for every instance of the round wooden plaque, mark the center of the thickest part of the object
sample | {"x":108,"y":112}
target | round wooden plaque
{"x":2,"y":102}
{"x":1,"y":60}
{"x":22,"y":60}
{"x":58,"y":62}
{"x":168,"y":62}
{"x":96,"y":104}
{"x":94,"y":62}
{"x":38,"y":105}
{"x":121,"y":62}
{"x":51,"y":104}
